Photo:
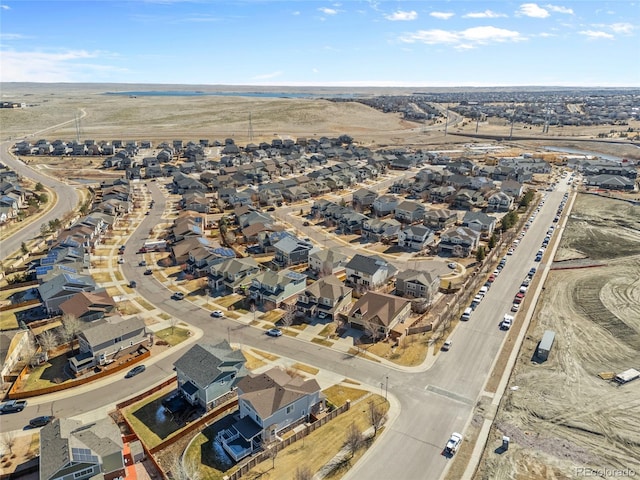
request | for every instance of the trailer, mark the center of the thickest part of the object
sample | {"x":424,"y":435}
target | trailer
{"x":154,"y":245}
{"x":544,"y":347}
{"x":627,"y":376}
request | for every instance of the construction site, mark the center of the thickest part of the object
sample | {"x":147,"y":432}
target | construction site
{"x":567,"y":416}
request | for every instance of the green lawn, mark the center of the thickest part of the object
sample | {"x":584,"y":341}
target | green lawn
{"x":47,"y":375}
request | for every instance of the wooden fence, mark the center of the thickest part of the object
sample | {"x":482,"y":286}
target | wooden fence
{"x":15,"y":306}
{"x":276,"y":447}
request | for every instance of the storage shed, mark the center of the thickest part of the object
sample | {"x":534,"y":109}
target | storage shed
{"x":544,"y":347}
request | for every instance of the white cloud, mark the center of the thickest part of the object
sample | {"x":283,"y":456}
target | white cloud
{"x":12,"y":36}
{"x":532,"y":10}
{"x":401,"y":15}
{"x":596,"y":34}
{"x":560,"y":9}
{"x":296,"y":13}
{"x":485,"y":14}
{"x":328,"y":11}
{"x":267,"y":76}
{"x":5,"y":7}
{"x":625,"y":28}
{"x":547,"y":35}
{"x":442,"y":15}
{"x":464,"y":39}
{"x":67,"y":66}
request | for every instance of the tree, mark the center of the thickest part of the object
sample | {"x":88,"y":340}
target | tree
{"x":354,"y":439}
{"x":289,"y":316}
{"x":70,"y":328}
{"x":24,"y":249}
{"x":9,"y":440}
{"x":39,"y":187}
{"x":302,"y":473}
{"x":371,"y":329}
{"x":377,"y":417}
{"x":173,"y":321}
{"x":492,"y":241}
{"x":29,"y":350}
{"x":43,"y":198}
{"x":480,"y":254}
{"x":44,"y":229}
{"x":48,"y":340}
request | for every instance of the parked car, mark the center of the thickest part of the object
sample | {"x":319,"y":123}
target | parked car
{"x":453,"y":444}
{"x":135,"y":371}
{"x":178,"y":296}
{"x":306,"y":224}
{"x":506,"y":323}
{"x":121,"y":260}
{"x":148,"y":271}
{"x":274,"y":332}
{"x":133,"y":284}
{"x":41,"y":421}
{"x":515,"y":307}
{"x":142,"y":263}
{"x":446,"y":346}
{"x":217,"y":314}
{"x":12,"y":406}
{"x":451,"y":265}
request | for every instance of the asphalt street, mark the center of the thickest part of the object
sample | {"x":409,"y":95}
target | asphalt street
{"x":433,"y":402}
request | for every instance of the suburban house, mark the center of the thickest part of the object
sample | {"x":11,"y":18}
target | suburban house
{"x":380,"y":229}
{"x":70,"y":449}
{"x":480,"y":222}
{"x":513,"y":188}
{"x":499,"y":202}
{"x":61,"y":287}
{"x":385,"y":205}
{"x":88,"y":306}
{"x":104,"y":340}
{"x":458,"y":242}
{"x":415,"y":237}
{"x":369,"y":271}
{"x":208,"y":372}
{"x":410,"y":212}
{"x":233,"y":274}
{"x":291,"y":251}
{"x":363,"y":199}
{"x":272,"y":288}
{"x":324,"y":298}
{"x":417,"y":284}
{"x":326,"y":261}
{"x":270,"y":404}
{"x":440,"y":219}
{"x":379,"y":313}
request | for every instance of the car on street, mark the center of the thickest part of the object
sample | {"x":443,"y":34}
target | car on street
{"x":121,"y":260}
{"x":274,"y":332}
{"x":217,"y":314}
{"x":41,"y":421}
{"x":148,"y":271}
{"x":515,"y":307}
{"x":306,"y":224}
{"x":453,"y":444}
{"x":135,"y":371}
{"x":451,"y":265}
{"x":12,"y":406}
{"x":133,"y":284}
{"x":178,"y":296}
{"x":446,"y":346}
{"x":142,"y":263}
{"x":510,"y":251}
{"x":491,"y":278}
{"x":506,"y":322}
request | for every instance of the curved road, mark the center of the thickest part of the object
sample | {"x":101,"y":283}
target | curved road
{"x":433,"y":402}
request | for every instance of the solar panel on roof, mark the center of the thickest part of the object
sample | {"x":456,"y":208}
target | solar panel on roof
{"x":43,"y":270}
{"x":295,"y":275}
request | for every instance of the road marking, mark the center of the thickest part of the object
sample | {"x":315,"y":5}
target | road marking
{"x":451,"y":395}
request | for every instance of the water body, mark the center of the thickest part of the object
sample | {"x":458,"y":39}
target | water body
{"x":199,"y":93}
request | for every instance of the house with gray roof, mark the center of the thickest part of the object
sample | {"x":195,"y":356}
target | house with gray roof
{"x":480,"y":222}
{"x":62,"y":287}
{"x":103,"y":340}
{"x":385,"y":205}
{"x":440,"y":219}
{"x":324,"y":298}
{"x":270,"y":404}
{"x":417,"y":284}
{"x":409,"y":212}
{"x":380,"y":230}
{"x":499,"y":202}
{"x":70,"y":449}
{"x":458,"y":242}
{"x":273,"y":288}
{"x":291,"y":251}
{"x":208,"y":372}
{"x":326,"y":261}
{"x":415,"y":237}
{"x":233,"y":274}
{"x":369,"y":271}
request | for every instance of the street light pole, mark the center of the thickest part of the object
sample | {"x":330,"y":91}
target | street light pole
{"x":386,"y":386}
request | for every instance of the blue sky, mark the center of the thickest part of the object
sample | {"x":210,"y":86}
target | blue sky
{"x":342,"y":43}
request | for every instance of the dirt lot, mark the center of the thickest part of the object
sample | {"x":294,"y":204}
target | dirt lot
{"x":562,"y":416}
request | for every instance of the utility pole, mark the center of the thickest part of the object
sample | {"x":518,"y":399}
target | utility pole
{"x":250,"y":128}
{"x":446,"y":122}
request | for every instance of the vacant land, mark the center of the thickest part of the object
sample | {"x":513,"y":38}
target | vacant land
{"x":562,"y":415}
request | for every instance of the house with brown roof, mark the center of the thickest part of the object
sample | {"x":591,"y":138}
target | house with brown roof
{"x":379,"y":312}
{"x":88,"y":306}
{"x":270,"y":404}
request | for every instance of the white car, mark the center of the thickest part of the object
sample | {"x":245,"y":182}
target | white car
{"x":515,"y":307}
{"x":506,"y":323}
{"x":451,"y":265}
{"x":217,"y":314}
{"x":453,"y":444}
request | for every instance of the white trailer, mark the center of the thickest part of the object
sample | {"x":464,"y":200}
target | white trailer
{"x":627,"y":376}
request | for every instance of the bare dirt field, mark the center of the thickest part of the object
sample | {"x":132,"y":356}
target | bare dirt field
{"x":562,"y":416}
